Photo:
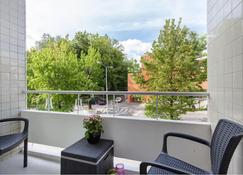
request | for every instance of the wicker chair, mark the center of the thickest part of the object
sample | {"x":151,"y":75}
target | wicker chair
{"x":11,"y":141}
{"x":226,"y":138}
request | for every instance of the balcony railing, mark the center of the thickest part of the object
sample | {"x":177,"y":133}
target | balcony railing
{"x":118,"y":103}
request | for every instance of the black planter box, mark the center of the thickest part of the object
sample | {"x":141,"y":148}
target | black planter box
{"x":85,"y":158}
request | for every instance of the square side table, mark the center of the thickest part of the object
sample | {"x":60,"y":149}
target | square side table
{"x":85,"y":158}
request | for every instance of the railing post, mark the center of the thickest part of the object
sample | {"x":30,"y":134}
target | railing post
{"x":113,"y":105}
{"x":26,"y":100}
{"x":48,"y":102}
{"x":107,"y":103}
{"x":78,"y":101}
{"x":157,"y":105}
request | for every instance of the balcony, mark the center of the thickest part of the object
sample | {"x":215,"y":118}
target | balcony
{"x":51,"y":131}
{"x":138,"y":126}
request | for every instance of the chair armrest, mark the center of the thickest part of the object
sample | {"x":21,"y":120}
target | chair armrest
{"x":144,"y":166}
{"x":183,"y":136}
{"x":26,"y":122}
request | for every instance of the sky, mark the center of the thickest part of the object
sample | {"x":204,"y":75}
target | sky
{"x":134,"y":23}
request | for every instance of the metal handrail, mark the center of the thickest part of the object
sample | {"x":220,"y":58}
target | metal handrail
{"x":114,"y":93}
{"x":191,"y":94}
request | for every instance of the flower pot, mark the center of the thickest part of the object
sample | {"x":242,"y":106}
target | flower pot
{"x":94,"y":138}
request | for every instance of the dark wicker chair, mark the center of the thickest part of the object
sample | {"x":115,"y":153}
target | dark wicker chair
{"x":226,"y":138}
{"x":11,"y":141}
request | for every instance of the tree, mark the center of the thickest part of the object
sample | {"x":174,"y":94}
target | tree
{"x":93,"y":71}
{"x":111,"y":53}
{"x":55,"y":67}
{"x":174,"y":65}
{"x":58,"y":63}
{"x":133,"y":66}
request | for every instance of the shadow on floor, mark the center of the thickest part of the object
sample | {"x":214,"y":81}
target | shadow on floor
{"x":36,"y":165}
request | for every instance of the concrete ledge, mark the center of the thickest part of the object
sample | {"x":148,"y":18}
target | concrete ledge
{"x":134,"y":138}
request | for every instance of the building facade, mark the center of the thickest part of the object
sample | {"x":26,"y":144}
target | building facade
{"x":12,"y":61}
{"x":225,"y":66}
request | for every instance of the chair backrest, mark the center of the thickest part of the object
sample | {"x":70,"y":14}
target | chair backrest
{"x":226,"y":138}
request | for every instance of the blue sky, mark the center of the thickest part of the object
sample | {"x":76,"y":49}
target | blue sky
{"x":135,"y":23}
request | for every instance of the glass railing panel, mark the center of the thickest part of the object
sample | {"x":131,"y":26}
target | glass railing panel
{"x":156,"y":105}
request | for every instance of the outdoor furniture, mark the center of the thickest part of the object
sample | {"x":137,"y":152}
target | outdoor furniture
{"x":11,"y":141}
{"x":85,"y":158}
{"x":226,"y":137}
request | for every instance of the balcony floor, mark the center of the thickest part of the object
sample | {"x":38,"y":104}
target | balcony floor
{"x":36,"y":165}
{"x":14,"y":165}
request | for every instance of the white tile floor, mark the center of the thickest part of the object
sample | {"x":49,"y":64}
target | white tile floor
{"x":14,"y":165}
{"x":40,"y":165}
{"x":54,"y":153}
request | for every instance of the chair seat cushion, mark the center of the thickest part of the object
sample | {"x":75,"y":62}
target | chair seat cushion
{"x":8,"y":142}
{"x":176,"y":163}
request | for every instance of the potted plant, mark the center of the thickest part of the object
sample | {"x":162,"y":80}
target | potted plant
{"x":94,"y":128}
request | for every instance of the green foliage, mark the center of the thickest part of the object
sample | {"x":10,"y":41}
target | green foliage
{"x":58,"y":63}
{"x":93,"y":125}
{"x":174,"y":66}
{"x":111,"y":55}
{"x":133,"y":66}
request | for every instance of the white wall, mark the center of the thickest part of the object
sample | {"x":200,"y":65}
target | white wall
{"x":137,"y":139}
{"x":225,"y":65}
{"x":12,"y":61}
